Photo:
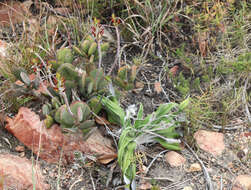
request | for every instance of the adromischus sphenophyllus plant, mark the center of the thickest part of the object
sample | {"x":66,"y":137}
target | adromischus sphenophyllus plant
{"x":159,"y":127}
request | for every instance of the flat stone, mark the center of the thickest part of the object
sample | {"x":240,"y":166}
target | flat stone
{"x":211,"y":142}
{"x":145,"y":186}
{"x":188,"y":188}
{"x":174,"y":159}
{"x":242,"y":182}
{"x":18,"y":173}
{"x":195,"y":167}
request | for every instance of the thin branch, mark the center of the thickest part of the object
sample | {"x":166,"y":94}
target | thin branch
{"x":155,"y":158}
{"x":117,"y":58}
{"x":93,"y":184}
{"x":207,"y":176}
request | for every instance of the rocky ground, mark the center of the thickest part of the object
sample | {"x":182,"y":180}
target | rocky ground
{"x":219,"y":158}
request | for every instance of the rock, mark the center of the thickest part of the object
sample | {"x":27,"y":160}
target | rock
{"x":242,"y":182}
{"x":188,"y":188}
{"x":211,"y":142}
{"x":17,"y":173}
{"x":49,"y":143}
{"x":174,"y":159}
{"x":145,"y":186}
{"x":138,"y":87}
{"x":195,"y":167}
{"x":246,"y":134}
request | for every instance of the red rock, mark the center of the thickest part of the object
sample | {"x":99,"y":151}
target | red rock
{"x":16,"y":173}
{"x":48,"y":143}
{"x":242,"y":182}
{"x":211,"y":142}
{"x":174,"y":159}
{"x":247,"y":134}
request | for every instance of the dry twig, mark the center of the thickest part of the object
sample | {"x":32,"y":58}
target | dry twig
{"x":207,"y":176}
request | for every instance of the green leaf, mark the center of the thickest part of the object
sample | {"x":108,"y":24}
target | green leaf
{"x":124,"y":140}
{"x":65,"y":117}
{"x":114,"y":110}
{"x":163,"y":120}
{"x":184,"y":104}
{"x":140,"y":112}
{"x":79,"y":114}
{"x":168,"y":130}
{"x":141,"y":123}
{"x":128,"y":157}
{"x":86,"y":124}
{"x":90,"y":87}
{"x":131,"y":171}
{"x":45,"y":109}
{"x":25,"y":78}
{"x":170,"y":146}
{"x":164,"y":109}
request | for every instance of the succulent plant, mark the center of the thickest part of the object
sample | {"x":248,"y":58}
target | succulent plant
{"x":23,"y":76}
{"x":95,"y":105}
{"x":64,"y":55}
{"x":68,"y":72}
{"x":68,"y":84}
{"x":89,"y":48}
{"x":93,"y":83}
{"x":86,"y":83}
{"x":126,"y":77}
{"x":77,"y":117}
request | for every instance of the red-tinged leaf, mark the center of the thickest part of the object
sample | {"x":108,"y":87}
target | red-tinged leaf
{"x":174,"y":70}
{"x":202,"y":41}
{"x":247,"y":134}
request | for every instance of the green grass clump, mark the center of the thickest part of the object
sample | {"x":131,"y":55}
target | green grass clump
{"x":240,"y":65}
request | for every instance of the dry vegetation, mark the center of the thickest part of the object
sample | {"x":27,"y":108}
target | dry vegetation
{"x":192,"y":58}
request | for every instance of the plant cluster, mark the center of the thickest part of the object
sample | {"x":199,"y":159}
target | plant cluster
{"x":158,"y":127}
{"x":67,"y":88}
{"x":76,"y":88}
{"x":89,"y":49}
